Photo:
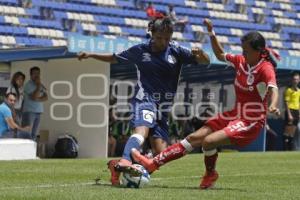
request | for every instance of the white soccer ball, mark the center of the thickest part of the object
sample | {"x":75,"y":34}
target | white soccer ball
{"x":136,"y":181}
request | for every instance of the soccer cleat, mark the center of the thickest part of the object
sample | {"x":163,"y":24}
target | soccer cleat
{"x":209,"y":179}
{"x":126,"y":166}
{"x":149,"y":164}
{"x":115,"y":175}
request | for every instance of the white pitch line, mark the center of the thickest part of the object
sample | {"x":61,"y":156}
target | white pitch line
{"x":154,"y":179}
{"x":47,"y":186}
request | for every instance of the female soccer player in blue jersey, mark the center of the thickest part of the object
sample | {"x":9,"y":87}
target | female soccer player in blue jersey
{"x":158,"y":63}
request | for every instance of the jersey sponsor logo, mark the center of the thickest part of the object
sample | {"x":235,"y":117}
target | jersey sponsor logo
{"x":146,"y":57}
{"x":171,"y":59}
{"x":236,"y":83}
{"x":148,"y":116}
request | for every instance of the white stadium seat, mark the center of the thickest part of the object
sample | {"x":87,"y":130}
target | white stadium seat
{"x":197,"y":28}
{"x":261,"y":4}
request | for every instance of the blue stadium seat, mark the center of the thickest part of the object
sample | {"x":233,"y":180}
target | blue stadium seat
{"x":126,"y":4}
{"x":105,"y":15}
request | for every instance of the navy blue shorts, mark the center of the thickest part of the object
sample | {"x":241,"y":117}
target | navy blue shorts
{"x":146,"y":113}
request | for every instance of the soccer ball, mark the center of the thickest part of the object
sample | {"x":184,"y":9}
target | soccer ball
{"x":136,"y":181}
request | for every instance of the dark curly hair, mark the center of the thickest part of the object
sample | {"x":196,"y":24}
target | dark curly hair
{"x":163,"y":24}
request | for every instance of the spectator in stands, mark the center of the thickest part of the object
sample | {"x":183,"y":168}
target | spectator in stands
{"x":173,"y":130}
{"x":47,"y":13}
{"x":7,"y":123}
{"x":123,"y":130}
{"x":152,"y":13}
{"x":180,"y":23}
{"x":34,"y":95}
{"x":112,"y":143}
{"x":139,"y":4}
{"x":69,"y":25}
{"x":292,"y":104}
{"x":16,"y":87}
{"x":25,"y":3}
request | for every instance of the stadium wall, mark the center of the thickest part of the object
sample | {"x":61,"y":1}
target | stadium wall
{"x":78,"y":101}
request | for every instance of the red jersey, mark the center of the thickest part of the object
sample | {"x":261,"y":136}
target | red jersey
{"x":251,"y":84}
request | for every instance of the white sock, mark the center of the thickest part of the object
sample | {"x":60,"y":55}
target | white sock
{"x":188,"y":147}
{"x":209,"y":152}
{"x":139,"y":137}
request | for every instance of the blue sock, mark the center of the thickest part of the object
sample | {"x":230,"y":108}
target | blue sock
{"x":135,"y":141}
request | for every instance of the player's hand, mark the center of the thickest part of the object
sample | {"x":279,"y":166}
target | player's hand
{"x":274,"y":109}
{"x":82,"y":55}
{"x":196,"y":51}
{"x":208,"y":24}
{"x":26,"y":129}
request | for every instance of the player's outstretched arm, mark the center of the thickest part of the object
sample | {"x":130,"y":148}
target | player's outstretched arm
{"x":200,"y":56}
{"x":216,"y":46}
{"x":274,"y":100}
{"x":103,"y":57}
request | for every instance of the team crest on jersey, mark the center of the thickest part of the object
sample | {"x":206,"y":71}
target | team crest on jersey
{"x":250,"y":79}
{"x":171,"y":59}
{"x":148,"y":115}
{"x":146,"y":57}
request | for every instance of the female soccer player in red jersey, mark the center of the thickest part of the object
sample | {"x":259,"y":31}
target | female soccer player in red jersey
{"x":240,"y":126}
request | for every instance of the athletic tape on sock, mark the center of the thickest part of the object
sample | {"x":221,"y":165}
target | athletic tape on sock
{"x":209,"y":152}
{"x":187,"y":145}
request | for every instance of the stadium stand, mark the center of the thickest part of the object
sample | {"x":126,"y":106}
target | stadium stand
{"x":50,"y":22}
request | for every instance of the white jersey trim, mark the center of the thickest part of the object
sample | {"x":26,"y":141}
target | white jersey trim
{"x":227,"y":61}
{"x":140,"y":94}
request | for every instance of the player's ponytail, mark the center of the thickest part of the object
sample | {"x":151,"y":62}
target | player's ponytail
{"x":258,"y":42}
{"x":270,"y":55}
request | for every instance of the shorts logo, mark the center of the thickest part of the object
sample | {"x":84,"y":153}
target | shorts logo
{"x":148,"y":116}
{"x":237,"y":127}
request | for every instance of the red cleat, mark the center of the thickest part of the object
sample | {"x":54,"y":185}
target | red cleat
{"x":126,"y":166}
{"x":149,"y":164}
{"x":115,"y":175}
{"x":209,"y":180}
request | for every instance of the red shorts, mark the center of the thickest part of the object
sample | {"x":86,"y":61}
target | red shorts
{"x":240,"y":132}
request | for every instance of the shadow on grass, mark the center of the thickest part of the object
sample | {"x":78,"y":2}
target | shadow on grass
{"x":100,"y":184}
{"x":197,"y":188}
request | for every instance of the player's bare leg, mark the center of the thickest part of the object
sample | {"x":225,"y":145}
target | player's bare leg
{"x":157,"y":145}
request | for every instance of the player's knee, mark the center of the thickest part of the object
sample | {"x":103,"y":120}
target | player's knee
{"x":198,"y":136}
{"x":208,"y":142}
{"x":194,"y":138}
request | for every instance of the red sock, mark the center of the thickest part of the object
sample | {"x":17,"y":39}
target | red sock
{"x":210,"y":162}
{"x":173,"y":152}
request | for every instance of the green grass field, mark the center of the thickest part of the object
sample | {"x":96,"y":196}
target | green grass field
{"x":274,"y":176}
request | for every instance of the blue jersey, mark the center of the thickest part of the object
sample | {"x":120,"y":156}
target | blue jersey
{"x":158,"y":73}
